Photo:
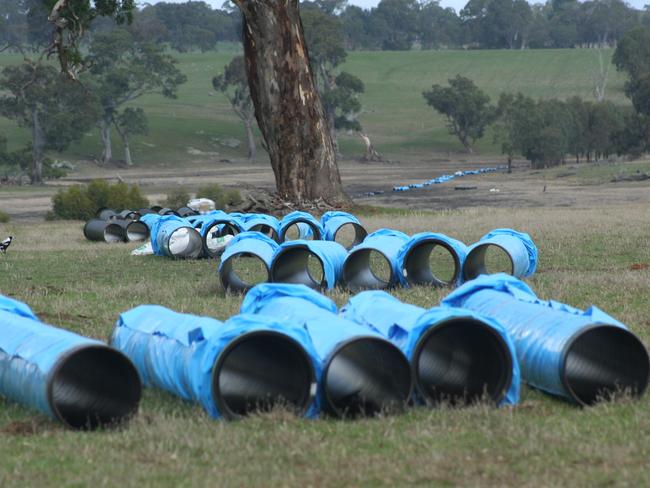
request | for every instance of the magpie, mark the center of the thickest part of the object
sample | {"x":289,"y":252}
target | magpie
{"x":5,"y":244}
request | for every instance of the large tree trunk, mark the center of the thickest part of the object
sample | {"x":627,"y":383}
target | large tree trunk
{"x":250,"y":138}
{"x":105,"y":133}
{"x":288,"y":109}
{"x":38,"y":148}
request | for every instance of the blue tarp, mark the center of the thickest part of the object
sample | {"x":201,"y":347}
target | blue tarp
{"x":252,"y":220}
{"x":303,"y":307}
{"x":177,"y":352}
{"x":403,"y":324}
{"x":459,"y":249}
{"x":519,"y":245}
{"x":389,"y":242}
{"x":333,"y":220}
{"x":540,"y":329}
{"x":331,"y":254}
{"x":445,"y":178}
{"x":305,"y":221}
{"x":29,"y":351}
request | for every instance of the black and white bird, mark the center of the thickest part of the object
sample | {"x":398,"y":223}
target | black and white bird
{"x":5,"y":244}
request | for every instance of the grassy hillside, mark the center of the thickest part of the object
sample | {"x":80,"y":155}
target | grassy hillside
{"x":395,"y":114}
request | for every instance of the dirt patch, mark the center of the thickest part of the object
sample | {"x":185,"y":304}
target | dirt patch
{"x":25,"y":428}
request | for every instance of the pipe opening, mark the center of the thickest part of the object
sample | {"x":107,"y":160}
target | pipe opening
{"x":214,"y":237}
{"x":185,"y":242}
{"x":350,"y":234}
{"x":366,"y":376}
{"x":367,"y":269}
{"x":432,"y":262}
{"x":487,"y":259}
{"x":267,"y":230}
{"x":94,"y":386}
{"x":136,"y":231}
{"x":113,"y":233}
{"x":462,"y":361}
{"x":262,"y":370}
{"x":241,"y":272}
{"x":603,"y":361}
{"x":300,"y":266}
{"x":300,"y":229}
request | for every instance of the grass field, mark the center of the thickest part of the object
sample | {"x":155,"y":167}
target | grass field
{"x":586,"y":256}
{"x":191,"y":128}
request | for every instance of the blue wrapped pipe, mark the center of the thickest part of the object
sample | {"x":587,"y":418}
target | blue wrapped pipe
{"x":583,"y":356}
{"x":173,"y":237}
{"x":518,"y":246}
{"x":456,"y":355}
{"x":78,"y":381}
{"x":336,"y":227}
{"x":231,"y":369}
{"x":257,"y":250}
{"x":308,"y":227}
{"x":266,"y":224}
{"x":361,"y":373}
{"x":374,"y":264}
{"x":415,"y":260}
{"x":216,"y":227}
{"x":291,"y":263}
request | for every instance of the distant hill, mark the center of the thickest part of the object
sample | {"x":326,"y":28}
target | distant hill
{"x":395,"y":114}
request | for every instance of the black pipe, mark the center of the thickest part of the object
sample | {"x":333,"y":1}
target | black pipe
{"x":209,"y":235}
{"x":93,"y":386}
{"x":461,"y":361}
{"x":186,"y":212}
{"x":368,"y":269}
{"x":167,"y":211}
{"x":133,"y":230}
{"x":315,"y":231}
{"x":259,"y":371}
{"x":350,"y":234}
{"x":417,"y":264}
{"x":106,"y":213}
{"x":238,"y":278}
{"x":267,"y":230}
{"x":103,"y":231}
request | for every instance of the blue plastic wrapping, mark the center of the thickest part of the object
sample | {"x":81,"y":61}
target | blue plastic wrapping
{"x":519,"y":246}
{"x":307,"y":224}
{"x":303,"y":307}
{"x":161,"y":230}
{"x":445,"y":178}
{"x":333,"y":220}
{"x":457,"y":248}
{"x":544,"y":332}
{"x":331,"y":255}
{"x":33,"y":353}
{"x":405,"y":324}
{"x":177,"y":352}
{"x":386,"y":241}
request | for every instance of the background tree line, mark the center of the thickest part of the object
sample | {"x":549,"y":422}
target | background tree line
{"x":547,"y":132}
{"x":391,"y":25}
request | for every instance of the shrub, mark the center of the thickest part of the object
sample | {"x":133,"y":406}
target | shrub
{"x":176,"y":198}
{"x":222,"y":198}
{"x":83,"y":202}
{"x":4,"y":217}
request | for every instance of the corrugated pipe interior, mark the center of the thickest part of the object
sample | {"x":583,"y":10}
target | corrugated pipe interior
{"x":79,"y":381}
{"x":133,"y":230}
{"x":584,"y":356}
{"x":212,"y":231}
{"x":432,"y":262}
{"x":349,"y":234}
{"x":461,"y":361}
{"x":501,"y":251}
{"x":103,"y":231}
{"x":246,"y":261}
{"x":316,"y":264}
{"x":362,"y":373}
{"x":232,"y":369}
{"x":259,"y":371}
{"x":456,"y":356}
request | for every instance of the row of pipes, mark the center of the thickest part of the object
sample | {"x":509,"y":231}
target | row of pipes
{"x":292,"y":346}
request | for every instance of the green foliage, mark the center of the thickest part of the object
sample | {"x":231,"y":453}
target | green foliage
{"x":4,"y":217}
{"x":221,"y":198}
{"x":177,"y":197}
{"x":83,"y":202}
{"x":466,"y":107}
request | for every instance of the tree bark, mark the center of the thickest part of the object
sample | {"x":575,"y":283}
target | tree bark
{"x":127,"y":150}
{"x":38,"y":148}
{"x":288,"y":108}
{"x":105,"y":133}
{"x":371,"y":153}
{"x":250,"y":138}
